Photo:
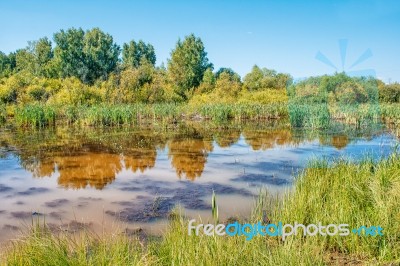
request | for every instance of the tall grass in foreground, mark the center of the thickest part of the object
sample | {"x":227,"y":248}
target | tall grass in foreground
{"x":367,"y":193}
{"x":42,"y":247}
{"x":178,"y":248}
{"x":357,"y":194}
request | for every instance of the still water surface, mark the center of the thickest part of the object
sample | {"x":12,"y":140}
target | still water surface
{"x":132,"y":177}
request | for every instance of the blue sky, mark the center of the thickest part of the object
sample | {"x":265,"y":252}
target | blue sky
{"x":283,"y":35}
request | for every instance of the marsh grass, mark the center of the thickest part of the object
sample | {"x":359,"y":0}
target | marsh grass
{"x":117,"y":115}
{"x":309,"y":115}
{"x":3,"y":114}
{"x":42,"y":246}
{"x":359,"y":115}
{"x":224,"y":112}
{"x":35,"y":115}
{"x":178,"y":248}
{"x":315,"y":115}
{"x":340,"y":192}
{"x":365,"y":193}
{"x":391,"y":113}
{"x":321,"y":115}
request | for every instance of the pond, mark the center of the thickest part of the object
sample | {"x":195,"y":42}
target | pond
{"x":130,"y":178}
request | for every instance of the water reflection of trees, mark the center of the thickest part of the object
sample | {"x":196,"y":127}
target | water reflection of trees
{"x":189,"y":156}
{"x":94,"y":158}
{"x":340,"y":141}
{"x":268,"y":139}
{"x":91,"y":169}
{"x":228,"y":137}
{"x":86,"y":161}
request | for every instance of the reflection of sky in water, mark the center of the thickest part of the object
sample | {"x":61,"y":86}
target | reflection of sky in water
{"x":281,"y":160}
{"x":172,"y":171}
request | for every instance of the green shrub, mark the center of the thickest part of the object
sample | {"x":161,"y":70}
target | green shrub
{"x":37,"y":93}
{"x":74,"y":92}
{"x":267,"y":96}
{"x":351,"y":93}
{"x":8,"y":94}
{"x":390,"y":93}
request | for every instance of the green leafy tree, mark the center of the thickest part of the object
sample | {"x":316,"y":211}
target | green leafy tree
{"x":88,"y":56}
{"x":43,"y":53}
{"x":133,"y":53}
{"x":208,"y":83}
{"x":232,"y":74}
{"x":351,"y":92}
{"x":3,"y":63}
{"x":187,"y":65}
{"x":36,"y":58}
{"x":101,"y":55}
{"x":225,"y":70}
{"x":7,"y":64}
{"x":135,"y":83}
{"x":227,"y":87}
{"x":329,"y":84}
{"x":69,"y":53}
{"x":259,"y":79}
{"x":25,"y":60}
{"x":390,"y":93}
{"x":252,"y":81}
{"x":156,"y":90}
{"x":282,"y":81}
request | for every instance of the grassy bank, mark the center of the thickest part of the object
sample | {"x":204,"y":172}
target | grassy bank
{"x":301,"y":115}
{"x":367,"y":194}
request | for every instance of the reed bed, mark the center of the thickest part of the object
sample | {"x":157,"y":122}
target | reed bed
{"x":391,"y":113}
{"x":3,"y":113}
{"x":309,"y":115}
{"x":224,"y":112}
{"x":318,"y":115}
{"x":35,"y":115}
{"x":358,"y":115}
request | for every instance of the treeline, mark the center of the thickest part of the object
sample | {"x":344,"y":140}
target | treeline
{"x":87,"y":67}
